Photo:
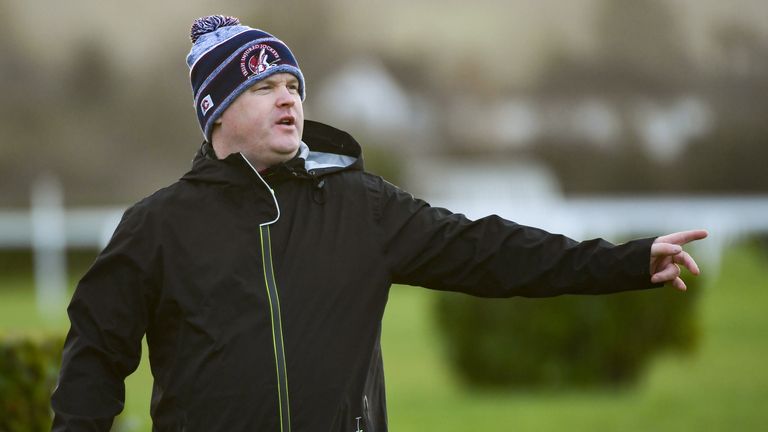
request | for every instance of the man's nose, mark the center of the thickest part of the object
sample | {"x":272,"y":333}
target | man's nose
{"x":284,"y":96}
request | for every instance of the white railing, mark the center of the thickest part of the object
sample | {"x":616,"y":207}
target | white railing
{"x":49,"y":229}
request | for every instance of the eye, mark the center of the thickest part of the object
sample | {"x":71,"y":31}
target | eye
{"x":261,"y":87}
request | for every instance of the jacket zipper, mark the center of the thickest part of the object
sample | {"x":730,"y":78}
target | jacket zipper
{"x":274,"y":310}
{"x":277,"y":330}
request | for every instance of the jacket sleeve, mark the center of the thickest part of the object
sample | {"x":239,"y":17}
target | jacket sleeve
{"x":493,"y":257}
{"x":109,"y":313}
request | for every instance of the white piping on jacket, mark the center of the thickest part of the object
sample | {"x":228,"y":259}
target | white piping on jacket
{"x":271,"y":191}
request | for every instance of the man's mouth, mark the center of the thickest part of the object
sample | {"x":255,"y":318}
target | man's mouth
{"x":287,"y":120}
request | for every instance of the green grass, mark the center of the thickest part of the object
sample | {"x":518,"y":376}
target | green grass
{"x":722,"y":386}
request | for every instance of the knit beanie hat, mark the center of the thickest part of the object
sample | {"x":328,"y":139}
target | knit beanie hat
{"x":226,"y":59}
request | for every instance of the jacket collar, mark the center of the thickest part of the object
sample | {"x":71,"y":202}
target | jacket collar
{"x":324,"y":149}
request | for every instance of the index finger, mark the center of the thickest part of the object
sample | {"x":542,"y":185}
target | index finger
{"x":683,"y":237}
{"x":665,"y":249}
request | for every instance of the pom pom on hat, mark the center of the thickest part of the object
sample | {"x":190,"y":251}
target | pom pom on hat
{"x":226,"y":58}
{"x":210,"y":23}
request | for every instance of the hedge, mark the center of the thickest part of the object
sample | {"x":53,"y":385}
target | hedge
{"x":29,"y":368}
{"x":567,"y":341}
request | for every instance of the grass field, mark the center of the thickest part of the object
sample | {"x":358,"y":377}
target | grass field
{"x":722,"y":386}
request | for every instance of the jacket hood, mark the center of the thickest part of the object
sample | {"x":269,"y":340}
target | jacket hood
{"x":323,"y":150}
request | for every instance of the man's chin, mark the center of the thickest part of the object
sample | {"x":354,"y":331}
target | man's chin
{"x":288,"y":150}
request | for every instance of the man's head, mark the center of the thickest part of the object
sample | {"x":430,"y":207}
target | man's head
{"x":248,"y":88}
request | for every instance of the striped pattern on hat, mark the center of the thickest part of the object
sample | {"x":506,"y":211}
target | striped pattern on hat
{"x":226,"y":59}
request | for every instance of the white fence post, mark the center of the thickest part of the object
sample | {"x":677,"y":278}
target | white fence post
{"x":49,"y":244}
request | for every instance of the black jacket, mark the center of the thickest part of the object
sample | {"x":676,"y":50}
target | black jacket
{"x":259,"y":326}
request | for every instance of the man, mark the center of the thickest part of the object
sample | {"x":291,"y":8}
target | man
{"x":260,"y":277}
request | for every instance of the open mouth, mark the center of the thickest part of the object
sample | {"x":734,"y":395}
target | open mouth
{"x":287,"y":121}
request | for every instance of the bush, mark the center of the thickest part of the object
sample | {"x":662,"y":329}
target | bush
{"x":564,"y":341}
{"x":28,"y":371}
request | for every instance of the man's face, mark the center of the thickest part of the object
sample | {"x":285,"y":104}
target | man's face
{"x":265,"y":122}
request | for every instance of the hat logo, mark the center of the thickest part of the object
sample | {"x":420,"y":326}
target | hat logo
{"x":206,"y":104}
{"x":253,"y":63}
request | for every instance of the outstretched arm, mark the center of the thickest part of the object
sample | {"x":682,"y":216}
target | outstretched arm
{"x":494,"y":257}
{"x":667,"y":254}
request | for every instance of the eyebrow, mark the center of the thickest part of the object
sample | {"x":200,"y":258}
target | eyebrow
{"x":273,"y":80}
